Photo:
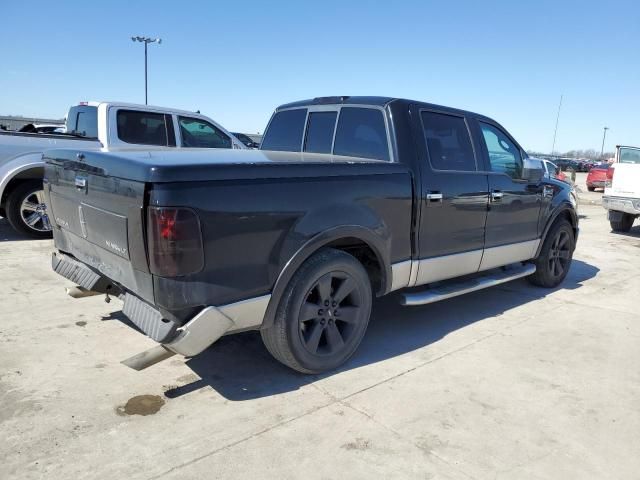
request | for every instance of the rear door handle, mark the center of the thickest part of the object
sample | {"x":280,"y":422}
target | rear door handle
{"x":434,"y":196}
{"x":496,"y":195}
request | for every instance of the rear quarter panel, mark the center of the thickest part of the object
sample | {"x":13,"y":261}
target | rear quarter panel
{"x":252,"y":227}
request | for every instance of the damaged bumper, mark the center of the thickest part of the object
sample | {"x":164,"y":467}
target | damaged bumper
{"x":198,"y":333}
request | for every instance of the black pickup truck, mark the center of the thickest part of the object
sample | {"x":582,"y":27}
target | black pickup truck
{"x":349,"y":197}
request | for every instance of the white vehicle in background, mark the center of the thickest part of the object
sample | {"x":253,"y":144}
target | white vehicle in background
{"x":41,"y":128}
{"x":622,"y":189}
{"x":105,"y":126}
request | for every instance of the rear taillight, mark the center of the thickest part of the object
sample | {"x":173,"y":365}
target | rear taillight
{"x":609,"y":181}
{"x":175,"y":241}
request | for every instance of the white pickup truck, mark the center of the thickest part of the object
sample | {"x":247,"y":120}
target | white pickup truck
{"x":622,"y":189}
{"x":105,"y":126}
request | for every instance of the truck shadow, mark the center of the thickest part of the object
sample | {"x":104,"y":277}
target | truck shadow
{"x":8,"y":234}
{"x":634,"y":232}
{"x":240,"y":368}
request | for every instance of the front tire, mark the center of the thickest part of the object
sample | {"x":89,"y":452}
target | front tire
{"x":624,"y":224}
{"x":554,"y":260}
{"x":591,"y":189}
{"x":27,"y":212}
{"x":323,"y":313}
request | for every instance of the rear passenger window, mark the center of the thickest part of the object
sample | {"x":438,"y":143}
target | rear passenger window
{"x":285,"y":131}
{"x":504,"y":156}
{"x":362,"y":133}
{"x":143,"y":128}
{"x":448,"y":142}
{"x":320,"y":128}
{"x":197,"y":133}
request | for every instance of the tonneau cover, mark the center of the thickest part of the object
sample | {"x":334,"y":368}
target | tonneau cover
{"x":181,"y":165}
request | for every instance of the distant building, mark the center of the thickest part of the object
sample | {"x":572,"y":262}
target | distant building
{"x":14,"y":122}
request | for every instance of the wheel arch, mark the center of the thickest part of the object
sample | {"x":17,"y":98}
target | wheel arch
{"x":356,"y":240}
{"x":28,"y":167}
{"x":565,"y":211}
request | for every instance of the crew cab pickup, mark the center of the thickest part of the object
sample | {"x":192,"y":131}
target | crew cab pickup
{"x":622,"y":189}
{"x":105,"y":126}
{"x":349,"y":197}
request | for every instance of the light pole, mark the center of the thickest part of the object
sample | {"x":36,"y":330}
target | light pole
{"x":146,"y":41}
{"x":604,"y":135}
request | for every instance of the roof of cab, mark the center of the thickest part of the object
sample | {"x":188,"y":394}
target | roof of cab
{"x":376,"y":101}
{"x":337,"y":100}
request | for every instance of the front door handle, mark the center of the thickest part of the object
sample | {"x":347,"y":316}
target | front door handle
{"x":496,"y":195}
{"x":434,"y":197}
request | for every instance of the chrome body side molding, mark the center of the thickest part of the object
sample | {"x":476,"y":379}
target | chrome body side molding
{"x":449,"y":266}
{"x":401,"y":274}
{"x":505,"y":254}
{"x":411,"y":273}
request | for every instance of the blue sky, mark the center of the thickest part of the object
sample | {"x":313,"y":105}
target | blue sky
{"x":236,"y":61}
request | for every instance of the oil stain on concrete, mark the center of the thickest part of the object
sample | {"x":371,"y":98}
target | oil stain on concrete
{"x":141,"y":405}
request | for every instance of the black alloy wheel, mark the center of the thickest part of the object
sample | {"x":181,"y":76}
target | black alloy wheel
{"x":330,"y":313}
{"x":554,"y":260}
{"x":560,"y":254}
{"x":323,"y":313}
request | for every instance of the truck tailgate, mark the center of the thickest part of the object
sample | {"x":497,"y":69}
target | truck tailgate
{"x":98,"y":219}
{"x":626,"y":180}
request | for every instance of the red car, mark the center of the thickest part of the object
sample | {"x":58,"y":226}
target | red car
{"x":597,"y":176}
{"x":553,"y":171}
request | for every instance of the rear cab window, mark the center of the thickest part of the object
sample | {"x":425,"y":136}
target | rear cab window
{"x":320,"y":129}
{"x":285,"y":131}
{"x":352,"y":131}
{"x":145,"y":128}
{"x":629,"y":155}
{"x":83,"y":120}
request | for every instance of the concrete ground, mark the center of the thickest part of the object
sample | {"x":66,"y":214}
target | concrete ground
{"x":514,"y":382}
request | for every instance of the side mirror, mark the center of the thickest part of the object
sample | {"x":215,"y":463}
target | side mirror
{"x":532,"y":170}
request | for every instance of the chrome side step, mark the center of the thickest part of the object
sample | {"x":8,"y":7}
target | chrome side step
{"x":453,"y":289}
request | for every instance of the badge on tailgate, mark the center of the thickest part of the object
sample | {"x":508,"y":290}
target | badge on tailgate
{"x":81,"y":183}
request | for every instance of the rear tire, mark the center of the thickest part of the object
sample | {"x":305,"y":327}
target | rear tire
{"x":323,"y":313}
{"x":591,"y":189}
{"x":625,"y":223}
{"x":554,"y":260}
{"x":26,"y":211}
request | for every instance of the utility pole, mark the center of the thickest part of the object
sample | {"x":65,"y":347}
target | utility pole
{"x":604,"y":135}
{"x":555,"y":132}
{"x":146,"y":41}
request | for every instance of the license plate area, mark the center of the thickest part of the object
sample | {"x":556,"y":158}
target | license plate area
{"x":105,"y":229}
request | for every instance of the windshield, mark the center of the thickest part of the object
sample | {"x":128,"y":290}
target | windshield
{"x":629,"y":155}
